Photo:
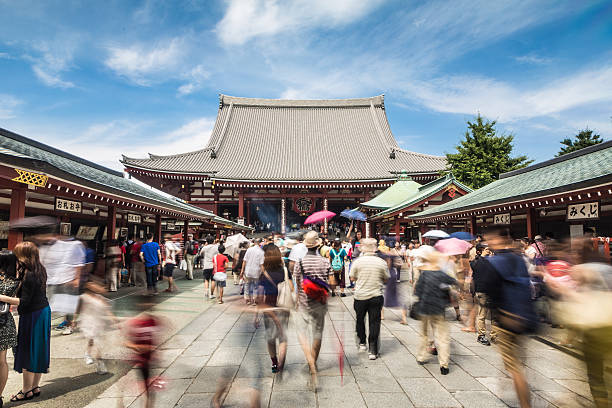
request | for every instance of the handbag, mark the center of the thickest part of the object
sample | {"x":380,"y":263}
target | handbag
{"x":315,"y":288}
{"x":285,"y":293}
{"x":183,"y":266}
{"x":5,"y":307}
{"x":220,"y":276}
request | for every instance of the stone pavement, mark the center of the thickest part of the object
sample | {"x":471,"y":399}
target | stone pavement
{"x":223,"y":344}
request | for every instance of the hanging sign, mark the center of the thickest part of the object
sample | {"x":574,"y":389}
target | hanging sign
{"x":501,"y":219}
{"x":134,"y":218}
{"x":61,"y":204}
{"x":303,"y":205}
{"x":170,"y":225}
{"x":583,"y":211}
{"x":86,"y":233}
{"x":240,"y":221}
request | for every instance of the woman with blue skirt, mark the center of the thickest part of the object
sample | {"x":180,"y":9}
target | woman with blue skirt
{"x":32,"y":353}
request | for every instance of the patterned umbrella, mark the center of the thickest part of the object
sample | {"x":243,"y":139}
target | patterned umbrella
{"x":353,"y":215}
{"x":319,"y":216}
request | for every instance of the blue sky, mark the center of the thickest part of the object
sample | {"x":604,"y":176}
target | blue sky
{"x":99,"y":79}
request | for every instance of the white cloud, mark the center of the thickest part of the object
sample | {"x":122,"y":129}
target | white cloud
{"x":8,"y":104}
{"x":246,"y":19}
{"x":533,"y":59}
{"x":195,"y":78}
{"x":143,"y":64}
{"x":50,"y":61}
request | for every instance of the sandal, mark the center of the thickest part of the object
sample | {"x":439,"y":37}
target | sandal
{"x":24,"y":398}
{"x":468,"y":330}
{"x":34,"y":393}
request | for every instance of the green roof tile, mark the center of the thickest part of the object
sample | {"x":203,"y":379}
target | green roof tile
{"x":393,"y":195}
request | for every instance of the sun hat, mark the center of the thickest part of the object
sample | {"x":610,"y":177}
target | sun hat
{"x":312,"y":240}
{"x":368,"y":245}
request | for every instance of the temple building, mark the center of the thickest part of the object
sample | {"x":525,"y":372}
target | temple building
{"x":270,"y":162}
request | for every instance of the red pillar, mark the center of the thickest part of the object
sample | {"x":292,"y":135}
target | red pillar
{"x":397,"y":230}
{"x":531,"y":223}
{"x":185,"y":232}
{"x":158,"y":231}
{"x":216,"y":207}
{"x":472,"y":222}
{"x":248,"y":212}
{"x":17,"y":211}
{"x":111,"y":223}
{"x":241,"y":204}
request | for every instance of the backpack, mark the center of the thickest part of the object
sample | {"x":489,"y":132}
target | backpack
{"x":315,"y":288}
{"x":337,"y":260}
{"x":128,"y":252}
{"x":192,"y":247}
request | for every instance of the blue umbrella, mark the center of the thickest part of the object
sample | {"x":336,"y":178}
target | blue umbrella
{"x":462,"y":235}
{"x":353,"y":215}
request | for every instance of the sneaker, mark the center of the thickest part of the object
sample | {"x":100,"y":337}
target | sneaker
{"x":372,"y":356}
{"x":274,"y":368}
{"x":443,"y":370}
{"x":212,"y":297}
{"x":62,"y":325}
{"x":363,"y":347}
{"x":483,"y":340}
{"x":88,"y":359}
{"x":333,"y":294}
{"x":101,"y":367}
{"x":68,"y":330}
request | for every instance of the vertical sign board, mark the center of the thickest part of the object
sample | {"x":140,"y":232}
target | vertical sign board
{"x":583,"y":211}
{"x":502,"y":219}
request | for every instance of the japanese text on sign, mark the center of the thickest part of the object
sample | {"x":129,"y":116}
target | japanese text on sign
{"x":503,"y":219}
{"x":134,"y":218}
{"x":583,"y":211}
{"x":68,"y":205}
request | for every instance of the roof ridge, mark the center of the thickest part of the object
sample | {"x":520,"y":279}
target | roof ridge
{"x":226,"y":100}
{"x":555,"y":160}
{"x":161,"y":157}
{"x":54,"y":150}
{"x":433,"y":156}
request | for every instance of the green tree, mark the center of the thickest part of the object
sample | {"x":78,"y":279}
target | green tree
{"x":483,"y":155}
{"x":584,"y":138}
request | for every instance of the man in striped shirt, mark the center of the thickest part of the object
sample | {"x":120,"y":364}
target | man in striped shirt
{"x":311,"y":312}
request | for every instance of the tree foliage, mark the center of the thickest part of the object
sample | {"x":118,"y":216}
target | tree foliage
{"x":584,"y":138}
{"x":483,"y":155}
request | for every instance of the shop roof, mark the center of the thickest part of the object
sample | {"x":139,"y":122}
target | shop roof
{"x":423,"y":193}
{"x":57,"y":163}
{"x":584,"y":168}
{"x":393,"y":195}
{"x":297,"y":140}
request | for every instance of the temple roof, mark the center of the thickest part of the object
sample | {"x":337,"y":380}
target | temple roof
{"x":393,"y":195}
{"x":588,"y":167}
{"x":297,"y":140}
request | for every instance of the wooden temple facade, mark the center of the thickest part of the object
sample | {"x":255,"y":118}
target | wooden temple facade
{"x":269,"y":163}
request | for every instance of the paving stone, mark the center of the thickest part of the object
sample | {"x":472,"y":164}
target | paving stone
{"x":427,"y":392}
{"x":576,"y":386}
{"x":237,"y":340}
{"x":406,"y":367}
{"x":201,"y":348}
{"x":164,"y":358}
{"x":168,"y":398}
{"x":540,"y":383}
{"x":550,"y":369}
{"x":180,"y":341}
{"x":185,"y":367}
{"x":284,"y":399}
{"x":255,"y":366}
{"x":478,"y":399}
{"x":229,"y":356}
{"x":130,"y":385}
{"x":209,"y":378}
{"x":194,"y":400}
{"x":566,"y":399}
{"x":376,"y":378}
{"x":456,"y":380}
{"x":503,"y":388}
{"x":347,"y":396}
{"x":329,"y":364}
{"x":477,"y":366}
{"x":243,"y":391}
{"x":295,"y":378}
{"x":111,"y":402}
{"x":387,"y":400}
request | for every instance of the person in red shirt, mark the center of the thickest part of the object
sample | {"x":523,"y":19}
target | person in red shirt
{"x":219,"y":275}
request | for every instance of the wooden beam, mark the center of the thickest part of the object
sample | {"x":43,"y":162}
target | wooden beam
{"x":17,"y":211}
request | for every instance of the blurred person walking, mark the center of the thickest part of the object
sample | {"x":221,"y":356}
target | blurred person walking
{"x":113,"y":265}
{"x":312,"y":279}
{"x":192,"y":248}
{"x":171,"y":250}
{"x":9,"y":285}
{"x":251,"y":271}
{"x":219,"y":275}
{"x":128,"y":250}
{"x":370,"y":273}
{"x":508,"y":291}
{"x":276,"y":319}
{"x":239,"y":260}
{"x":94,"y":319}
{"x":207,"y":252}
{"x":480,"y":270}
{"x":150,"y":254}
{"x":337,"y":257}
{"x":432,"y":290}
{"x":32,"y":353}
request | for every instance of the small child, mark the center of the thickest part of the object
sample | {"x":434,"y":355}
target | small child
{"x":94,"y":318}
{"x":142,"y":334}
{"x":219,"y":274}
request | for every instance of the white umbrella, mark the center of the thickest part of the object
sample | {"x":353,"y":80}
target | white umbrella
{"x":232,"y":242}
{"x":435,"y":234}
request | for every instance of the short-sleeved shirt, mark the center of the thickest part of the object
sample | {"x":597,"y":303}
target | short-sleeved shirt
{"x":334,"y":253}
{"x":149,"y":252}
{"x":207,"y":252}
{"x":61,"y":260}
{"x":370,"y":273}
{"x":171,"y":250}
{"x":314,"y":266}
{"x":253,"y":259}
{"x":219,"y":263}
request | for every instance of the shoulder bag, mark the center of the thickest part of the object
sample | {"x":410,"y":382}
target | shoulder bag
{"x":5,"y":307}
{"x":285,"y":292}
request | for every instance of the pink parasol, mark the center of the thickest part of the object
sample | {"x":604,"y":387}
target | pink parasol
{"x":319,"y":216}
{"x":452,"y":246}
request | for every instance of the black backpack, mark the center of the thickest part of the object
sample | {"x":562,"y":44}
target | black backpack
{"x":192,"y":247}
{"x":128,"y":252}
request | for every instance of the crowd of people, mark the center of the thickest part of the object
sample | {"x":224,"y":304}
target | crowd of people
{"x":499,"y":288}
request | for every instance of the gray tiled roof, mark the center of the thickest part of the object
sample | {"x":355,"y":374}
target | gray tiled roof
{"x":584,"y":168}
{"x":294,"y":140}
{"x":20,"y":147}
